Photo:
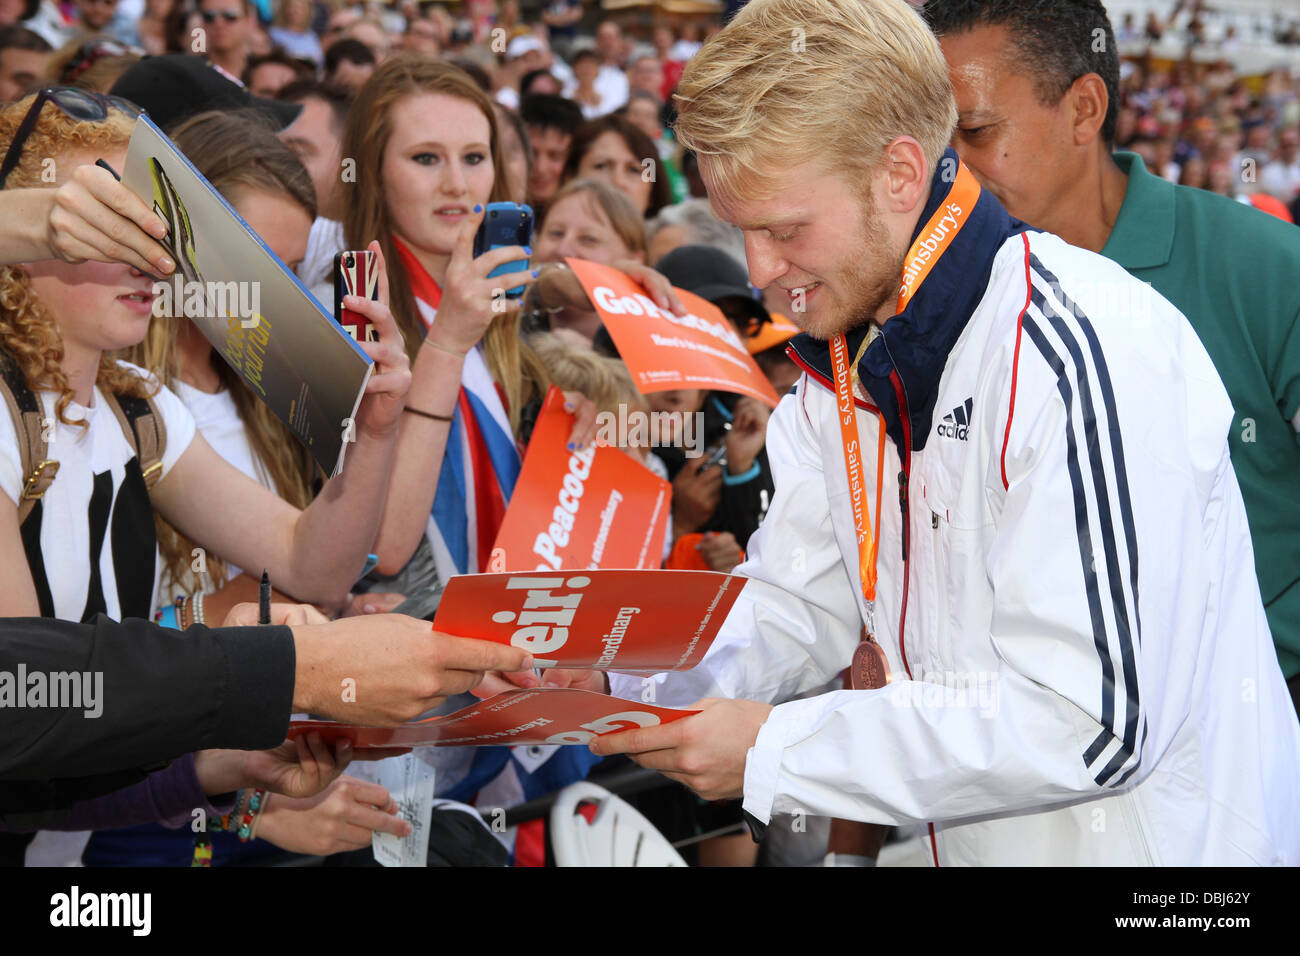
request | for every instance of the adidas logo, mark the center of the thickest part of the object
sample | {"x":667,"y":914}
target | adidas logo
{"x":956,"y":422}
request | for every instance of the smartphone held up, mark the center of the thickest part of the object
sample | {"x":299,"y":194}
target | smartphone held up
{"x":356,"y":273}
{"x":505,"y":224}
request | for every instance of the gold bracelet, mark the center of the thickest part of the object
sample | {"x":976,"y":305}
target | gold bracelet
{"x":443,"y":348}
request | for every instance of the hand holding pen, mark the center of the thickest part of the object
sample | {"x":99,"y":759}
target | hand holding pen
{"x":93,"y":216}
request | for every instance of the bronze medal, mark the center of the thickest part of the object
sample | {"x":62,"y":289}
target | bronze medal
{"x":870,"y":668}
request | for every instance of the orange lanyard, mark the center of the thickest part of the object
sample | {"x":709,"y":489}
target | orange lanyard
{"x":868,"y":544}
{"x":931,"y":243}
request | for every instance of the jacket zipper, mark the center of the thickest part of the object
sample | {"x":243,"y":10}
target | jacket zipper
{"x":942,"y":634}
{"x":906,"y":460}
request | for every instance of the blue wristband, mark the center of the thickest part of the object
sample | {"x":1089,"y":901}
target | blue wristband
{"x":167,"y":617}
{"x":729,"y":479}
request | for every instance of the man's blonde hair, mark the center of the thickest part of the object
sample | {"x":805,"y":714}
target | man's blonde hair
{"x":791,"y":79}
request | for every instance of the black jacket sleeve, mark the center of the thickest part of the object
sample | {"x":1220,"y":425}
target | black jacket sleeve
{"x":154,"y":694}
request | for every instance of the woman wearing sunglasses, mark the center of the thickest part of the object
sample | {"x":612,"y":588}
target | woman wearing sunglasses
{"x":58,"y":322}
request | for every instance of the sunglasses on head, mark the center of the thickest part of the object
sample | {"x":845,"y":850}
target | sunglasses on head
{"x":77,"y":103}
{"x":230,"y":16}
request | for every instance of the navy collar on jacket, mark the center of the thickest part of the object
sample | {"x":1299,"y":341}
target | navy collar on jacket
{"x":914,"y":345}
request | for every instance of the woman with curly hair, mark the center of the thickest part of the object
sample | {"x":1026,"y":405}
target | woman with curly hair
{"x":88,"y":545}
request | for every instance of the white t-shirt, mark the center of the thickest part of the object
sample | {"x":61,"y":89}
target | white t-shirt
{"x":217,"y":419}
{"x":74,"y":516}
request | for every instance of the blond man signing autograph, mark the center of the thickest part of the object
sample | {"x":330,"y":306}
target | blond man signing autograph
{"x":1046,"y":546}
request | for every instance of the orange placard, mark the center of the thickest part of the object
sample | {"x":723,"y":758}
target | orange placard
{"x":647,"y":621}
{"x":543,"y":715}
{"x":589,"y":509}
{"x":664,"y":351}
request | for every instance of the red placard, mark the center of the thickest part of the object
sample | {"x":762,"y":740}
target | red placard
{"x":647,"y":621}
{"x":544,"y":715}
{"x":664,"y":351}
{"x":595,"y":508}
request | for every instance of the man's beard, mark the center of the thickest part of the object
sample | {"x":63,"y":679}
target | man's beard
{"x":868,"y":290}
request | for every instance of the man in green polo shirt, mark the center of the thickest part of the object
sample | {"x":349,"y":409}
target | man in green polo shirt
{"x":1037,"y":86}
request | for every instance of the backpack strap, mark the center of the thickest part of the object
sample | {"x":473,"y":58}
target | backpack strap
{"x":29,"y":422}
{"x":142,"y":424}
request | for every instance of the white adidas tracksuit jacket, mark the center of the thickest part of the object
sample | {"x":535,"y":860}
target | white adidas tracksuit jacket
{"x":1092,"y":676}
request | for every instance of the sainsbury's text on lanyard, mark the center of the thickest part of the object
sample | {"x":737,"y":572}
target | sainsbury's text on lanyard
{"x":870,"y":668}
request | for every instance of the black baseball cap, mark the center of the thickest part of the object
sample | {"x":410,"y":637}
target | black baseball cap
{"x":713,"y":275}
{"x":173,"y":87}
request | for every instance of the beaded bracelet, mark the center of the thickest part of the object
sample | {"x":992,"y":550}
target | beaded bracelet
{"x":202,"y":840}
{"x":248,"y":822}
{"x":225,"y":821}
{"x":196,"y":609}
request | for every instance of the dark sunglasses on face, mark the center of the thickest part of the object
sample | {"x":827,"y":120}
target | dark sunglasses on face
{"x":77,"y":103}
{"x":230,"y":16}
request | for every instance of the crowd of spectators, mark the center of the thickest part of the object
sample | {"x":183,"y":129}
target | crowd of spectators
{"x":328,"y":125}
{"x":1210,"y":98}
{"x":275,"y":107}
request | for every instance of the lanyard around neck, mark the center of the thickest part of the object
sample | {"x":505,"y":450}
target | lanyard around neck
{"x":931,"y":242}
